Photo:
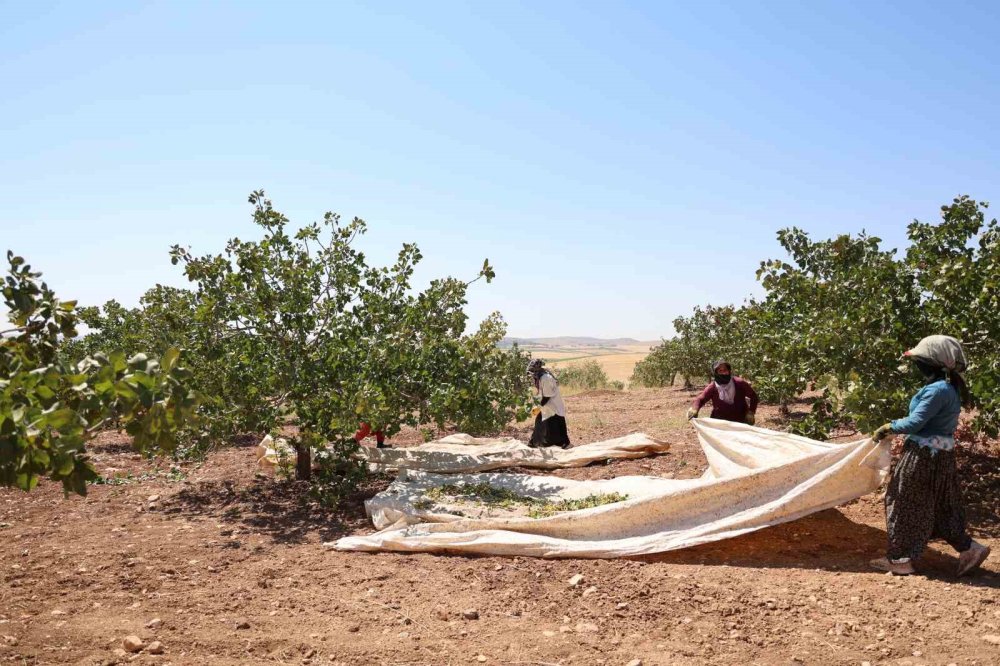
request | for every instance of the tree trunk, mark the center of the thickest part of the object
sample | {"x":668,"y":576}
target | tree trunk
{"x":303,"y":462}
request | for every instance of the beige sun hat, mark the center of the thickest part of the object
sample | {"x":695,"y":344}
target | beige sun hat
{"x":941,"y":350}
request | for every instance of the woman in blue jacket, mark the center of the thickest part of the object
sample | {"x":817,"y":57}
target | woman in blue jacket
{"x":923,"y":500}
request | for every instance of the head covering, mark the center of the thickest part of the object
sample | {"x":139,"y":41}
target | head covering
{"x":536,"y":370}
{"x":719,"y":363}
{"x":727,"y":391}
{"x":942,"y":351}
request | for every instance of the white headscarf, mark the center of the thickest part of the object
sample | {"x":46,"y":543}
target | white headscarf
{"x":941,"y":350}
{"x":727,"y":392}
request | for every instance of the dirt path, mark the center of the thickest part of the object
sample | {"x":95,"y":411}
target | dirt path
{"x":221,"y":567}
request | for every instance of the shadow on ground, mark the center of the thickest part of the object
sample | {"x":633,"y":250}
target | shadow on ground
{"x":282,"y":510}
{"x":980,"y":479}
{"x":827,"y":541}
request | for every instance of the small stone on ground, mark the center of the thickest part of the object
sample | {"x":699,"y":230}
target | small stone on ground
{"x":132,"y":644}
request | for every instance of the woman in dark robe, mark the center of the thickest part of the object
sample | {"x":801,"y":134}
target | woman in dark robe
{"x":550,"y":414}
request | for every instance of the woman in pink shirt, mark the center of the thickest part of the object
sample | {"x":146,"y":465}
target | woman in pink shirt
{"x":733,"y":398}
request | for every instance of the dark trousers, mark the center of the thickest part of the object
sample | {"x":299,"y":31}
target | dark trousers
{"x":550,"y":432}
{"x":924,"y":501}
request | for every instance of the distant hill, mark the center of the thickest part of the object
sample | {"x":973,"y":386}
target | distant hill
{"x":570,"y":341}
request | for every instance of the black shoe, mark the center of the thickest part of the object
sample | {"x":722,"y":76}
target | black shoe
{"x":381,"y":445}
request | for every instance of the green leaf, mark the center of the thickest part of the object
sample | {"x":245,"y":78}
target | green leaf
{"x":169,"y":359}
{"x":60,"y":418}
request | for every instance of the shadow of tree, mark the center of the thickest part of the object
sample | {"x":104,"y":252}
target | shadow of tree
{"x":117,"y":446}
{"x":282,"y":510}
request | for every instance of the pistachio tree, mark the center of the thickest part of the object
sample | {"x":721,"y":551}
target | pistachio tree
{"x":956,"y":263}
{"x":50,"y":408}
{"x":314,"y":336}
{"x":838,"y":313}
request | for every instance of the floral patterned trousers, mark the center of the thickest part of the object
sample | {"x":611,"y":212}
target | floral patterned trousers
{"x":924,"y":502}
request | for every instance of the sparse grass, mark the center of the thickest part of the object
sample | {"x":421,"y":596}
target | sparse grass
{"x":568,"y":391}
{"x":493,"y":497}
{"x":122,"y":479}
{"x":174,"y":475}
{"x":671,"y":422}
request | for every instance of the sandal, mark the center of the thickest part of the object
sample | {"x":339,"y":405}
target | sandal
{"x":972,"y":557}
{"x":895,"y":567}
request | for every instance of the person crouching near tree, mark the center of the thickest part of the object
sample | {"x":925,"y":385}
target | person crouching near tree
{"x":923,"y":500}
{"x":733,"y":398}
{"x":550,"y":416}
{"x":366,"y":430}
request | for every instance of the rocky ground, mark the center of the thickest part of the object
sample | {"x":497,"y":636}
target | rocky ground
{"x":208,"y":563}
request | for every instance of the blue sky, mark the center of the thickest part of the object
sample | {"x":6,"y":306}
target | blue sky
{"x":618,"y":163}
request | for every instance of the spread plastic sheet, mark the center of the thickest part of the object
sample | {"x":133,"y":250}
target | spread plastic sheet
{"x":755,"y":478}
{"x":273,"y":452}
{"x":462,"y":453}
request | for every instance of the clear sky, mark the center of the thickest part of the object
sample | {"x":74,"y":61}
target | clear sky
{"x":618,"y":162}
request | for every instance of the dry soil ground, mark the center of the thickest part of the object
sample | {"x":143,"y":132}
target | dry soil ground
{"x":222,"y":567}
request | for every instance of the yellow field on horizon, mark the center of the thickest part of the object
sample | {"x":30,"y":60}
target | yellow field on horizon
{"x":617,"y":366}
{"x":617,"y":361}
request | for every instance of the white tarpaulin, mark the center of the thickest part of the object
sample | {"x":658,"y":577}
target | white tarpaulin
{"x":463,"y":453}
{"x":272,"y":452}
{"x":408,"y":501}
{"x":756,"y":478}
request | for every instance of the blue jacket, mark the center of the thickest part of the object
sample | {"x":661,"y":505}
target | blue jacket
{"x":933,"y":415}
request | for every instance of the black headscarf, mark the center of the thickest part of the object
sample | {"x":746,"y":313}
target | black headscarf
{"x":536,"y":369}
